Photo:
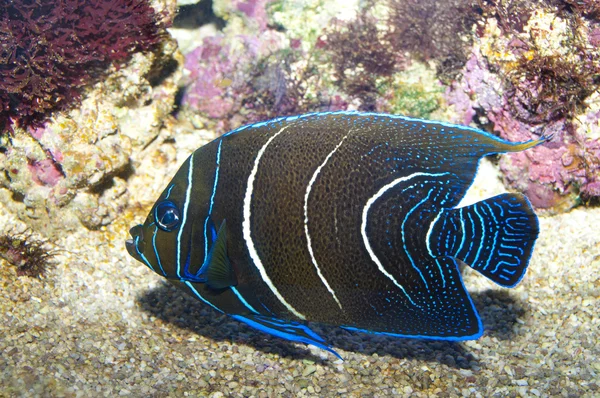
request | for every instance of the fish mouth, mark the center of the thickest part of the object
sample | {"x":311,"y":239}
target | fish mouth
{"x":132,"y":244}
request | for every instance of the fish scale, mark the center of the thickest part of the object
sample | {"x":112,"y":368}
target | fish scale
{"x":344,"y":218}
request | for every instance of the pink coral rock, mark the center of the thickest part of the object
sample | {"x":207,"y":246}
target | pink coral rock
{"x":555,"y":176}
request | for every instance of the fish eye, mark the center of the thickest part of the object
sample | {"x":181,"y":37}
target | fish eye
{"x":166,"y":215}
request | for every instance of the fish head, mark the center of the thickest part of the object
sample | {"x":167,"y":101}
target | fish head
{"x":164,"y":241}
{"x":153,"y":243}
{"x":162,"y":223}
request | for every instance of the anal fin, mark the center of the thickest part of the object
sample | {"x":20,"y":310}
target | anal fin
{"x":289,"y":330}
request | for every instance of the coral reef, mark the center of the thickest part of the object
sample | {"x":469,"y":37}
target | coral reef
{"x":519,"y":68}
{"x":227,"y":78}
{"x":253,"y":71}
{"x":70,"y":169}
{"x":361,"y":54}
{"x":534,"y":71}
{"x":267,"y":62}
{"x":280,"y":85}
{"x":434,"y":30}
{"x":51,"y":49}
{"x":304,"y":21}
{"x":415,"y":91}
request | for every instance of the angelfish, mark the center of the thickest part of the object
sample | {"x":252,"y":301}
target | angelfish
{"x":344,"y":218}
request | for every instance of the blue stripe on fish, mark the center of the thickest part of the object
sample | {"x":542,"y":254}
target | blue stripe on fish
{"x":506,"y":223}
{"x":142,"y":256}
{"x":239,"y":296}
{"x":212,"y":201}
{"x":156,"y":251}
{"x":199,"y":296}
{"x":169,"y":191}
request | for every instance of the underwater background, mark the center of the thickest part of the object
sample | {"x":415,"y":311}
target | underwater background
{"x":101,"y":102}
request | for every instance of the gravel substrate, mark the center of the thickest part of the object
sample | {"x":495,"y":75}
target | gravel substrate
{"x":101,"y":324}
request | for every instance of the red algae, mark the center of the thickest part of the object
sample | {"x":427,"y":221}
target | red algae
{"x":53,"y":48}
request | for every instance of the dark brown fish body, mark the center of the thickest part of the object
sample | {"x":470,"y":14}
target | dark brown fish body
{"x":342,"y":218}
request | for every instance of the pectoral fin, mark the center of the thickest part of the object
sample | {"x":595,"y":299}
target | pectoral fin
{"x":217,"y":271}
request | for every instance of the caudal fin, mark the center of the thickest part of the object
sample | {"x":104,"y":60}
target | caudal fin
{"x":495,"y":236}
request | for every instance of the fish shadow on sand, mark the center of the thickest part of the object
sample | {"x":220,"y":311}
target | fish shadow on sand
{"x":498,"y":308}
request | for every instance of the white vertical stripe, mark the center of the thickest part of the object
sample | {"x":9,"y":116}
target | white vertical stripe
{"x":363,"y":227}
{"x":247,"y":234}
{"x":212,"y":200}
{"x":186,"y":205}
{"x":462,"y":227}
{"x":306,"y":195}
{"x":428,"y":237}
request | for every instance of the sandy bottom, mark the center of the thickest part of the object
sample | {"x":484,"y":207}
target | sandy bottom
{"x":101,"y":324}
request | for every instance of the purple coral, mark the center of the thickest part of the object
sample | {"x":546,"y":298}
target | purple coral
{"x":540,"y":92}
{"x":212,"y":74}
{"x":51,"y":48}
{"x":478,"y":89}
{"x":254,"y":10}
{"x":219,"y":78}
{"x":256,"y":83}
{"x":263,"y":80}
{"x":555,"y":175}
{"x":45,"y":172}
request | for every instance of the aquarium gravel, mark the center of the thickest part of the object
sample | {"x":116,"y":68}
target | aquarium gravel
{"x":100,"y":324}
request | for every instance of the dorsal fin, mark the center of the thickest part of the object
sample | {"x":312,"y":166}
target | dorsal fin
{"x":217,"y":270}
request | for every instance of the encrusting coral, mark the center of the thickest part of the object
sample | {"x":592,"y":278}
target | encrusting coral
{"x":519,"y":68}
{"x":66,"y":160}
{"x":251,"y":74}
{"x":536,"y":72}
{"x":332,"y":60}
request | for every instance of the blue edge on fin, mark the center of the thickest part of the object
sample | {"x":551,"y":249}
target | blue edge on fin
{"x":297,"y":332}
{"x":474,"y":336}
{"x":367,"y":115}
{"x":289,"y":330}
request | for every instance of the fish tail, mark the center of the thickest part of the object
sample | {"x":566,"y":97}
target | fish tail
{"x":495,"y":237}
